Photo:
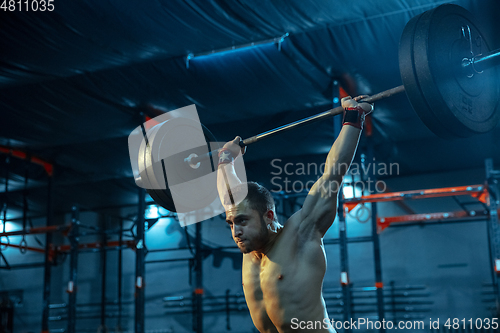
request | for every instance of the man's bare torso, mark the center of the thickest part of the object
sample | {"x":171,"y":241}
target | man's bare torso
{"x":285,"y":285}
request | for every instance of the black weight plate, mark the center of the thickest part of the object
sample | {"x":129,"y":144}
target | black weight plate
{"x":409,"y":76}
{"x":174,"y":165}
{"x":162,"y":197}
{"x":463,"y":106}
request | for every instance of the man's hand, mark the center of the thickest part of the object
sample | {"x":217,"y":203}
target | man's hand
{"x":234,"y":147}
{"x":348,"y":102}
{"x":354,"y":114}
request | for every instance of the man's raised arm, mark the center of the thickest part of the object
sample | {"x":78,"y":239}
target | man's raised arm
{"x":320,"y":205}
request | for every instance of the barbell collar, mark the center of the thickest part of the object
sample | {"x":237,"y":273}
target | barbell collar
{"x":481,"y":63}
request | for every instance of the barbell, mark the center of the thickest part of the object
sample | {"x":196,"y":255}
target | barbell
{"x":448,"y":74}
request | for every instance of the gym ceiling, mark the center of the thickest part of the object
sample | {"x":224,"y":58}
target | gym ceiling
{"x":74,"y":82}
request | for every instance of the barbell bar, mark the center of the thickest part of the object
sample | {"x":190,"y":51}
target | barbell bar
{"x":193,"y":160}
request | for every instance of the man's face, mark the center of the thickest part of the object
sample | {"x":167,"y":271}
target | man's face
{"x":247,"y":227}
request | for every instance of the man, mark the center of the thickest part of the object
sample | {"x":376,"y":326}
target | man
{"x":284,"y":266}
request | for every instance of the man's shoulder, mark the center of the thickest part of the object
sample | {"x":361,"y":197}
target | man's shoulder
{"x":295,"y":226}
{"x":293,"y":222}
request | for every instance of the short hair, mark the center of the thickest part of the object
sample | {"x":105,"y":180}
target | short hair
{"x":259,"y":197}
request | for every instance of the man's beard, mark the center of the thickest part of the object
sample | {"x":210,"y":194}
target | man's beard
{"x":258,"y":242}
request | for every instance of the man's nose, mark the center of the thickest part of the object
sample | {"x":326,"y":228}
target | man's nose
{"x":237,"y":231}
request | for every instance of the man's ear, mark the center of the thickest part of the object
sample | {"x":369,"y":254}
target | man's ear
{"x":269,"y":216}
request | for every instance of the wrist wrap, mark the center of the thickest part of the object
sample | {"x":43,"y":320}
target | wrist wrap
{"x":354,"y":116}
{"x":225,"y":156}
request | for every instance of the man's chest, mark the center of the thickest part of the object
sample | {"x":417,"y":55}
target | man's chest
{"x":268,"y":289}
{"x":264,"y":277}
{"x":281,"y":277}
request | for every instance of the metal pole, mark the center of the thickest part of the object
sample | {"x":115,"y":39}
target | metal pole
{"x":378,"y":267}
{"x":47,"y":264}
{"x":72,"y":284}
{"x":376,"y":242}
{"x":140,"y":266}
{"x":32,"y":231}
{"x":103,"y":276}
{"x":120,"y":273}
{"x":492,"y":178}
{"x":344,"y":263}
{"x":198,"y":269}
{"x":228,"y":310}
{"x":393,"y":304}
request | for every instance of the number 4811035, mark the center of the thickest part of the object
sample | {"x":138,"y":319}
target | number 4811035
{"x":27,"y":5}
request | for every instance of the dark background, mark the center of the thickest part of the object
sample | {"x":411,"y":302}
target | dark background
{"x":74,"y":82}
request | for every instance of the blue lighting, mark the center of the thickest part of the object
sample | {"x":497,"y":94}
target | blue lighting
{"x":152,"y":212}
{"x":238,"y":48}
{"x":9,"y":226}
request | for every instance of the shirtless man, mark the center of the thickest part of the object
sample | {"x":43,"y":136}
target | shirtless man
{"x":284,"y":266}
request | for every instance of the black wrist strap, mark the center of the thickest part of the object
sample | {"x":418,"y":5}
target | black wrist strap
{"x":351,"y":116}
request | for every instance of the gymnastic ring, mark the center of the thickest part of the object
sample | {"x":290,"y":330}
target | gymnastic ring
{"x":23,"y":246}
{"x":6,"y":245}
{"x":359,"y":212}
